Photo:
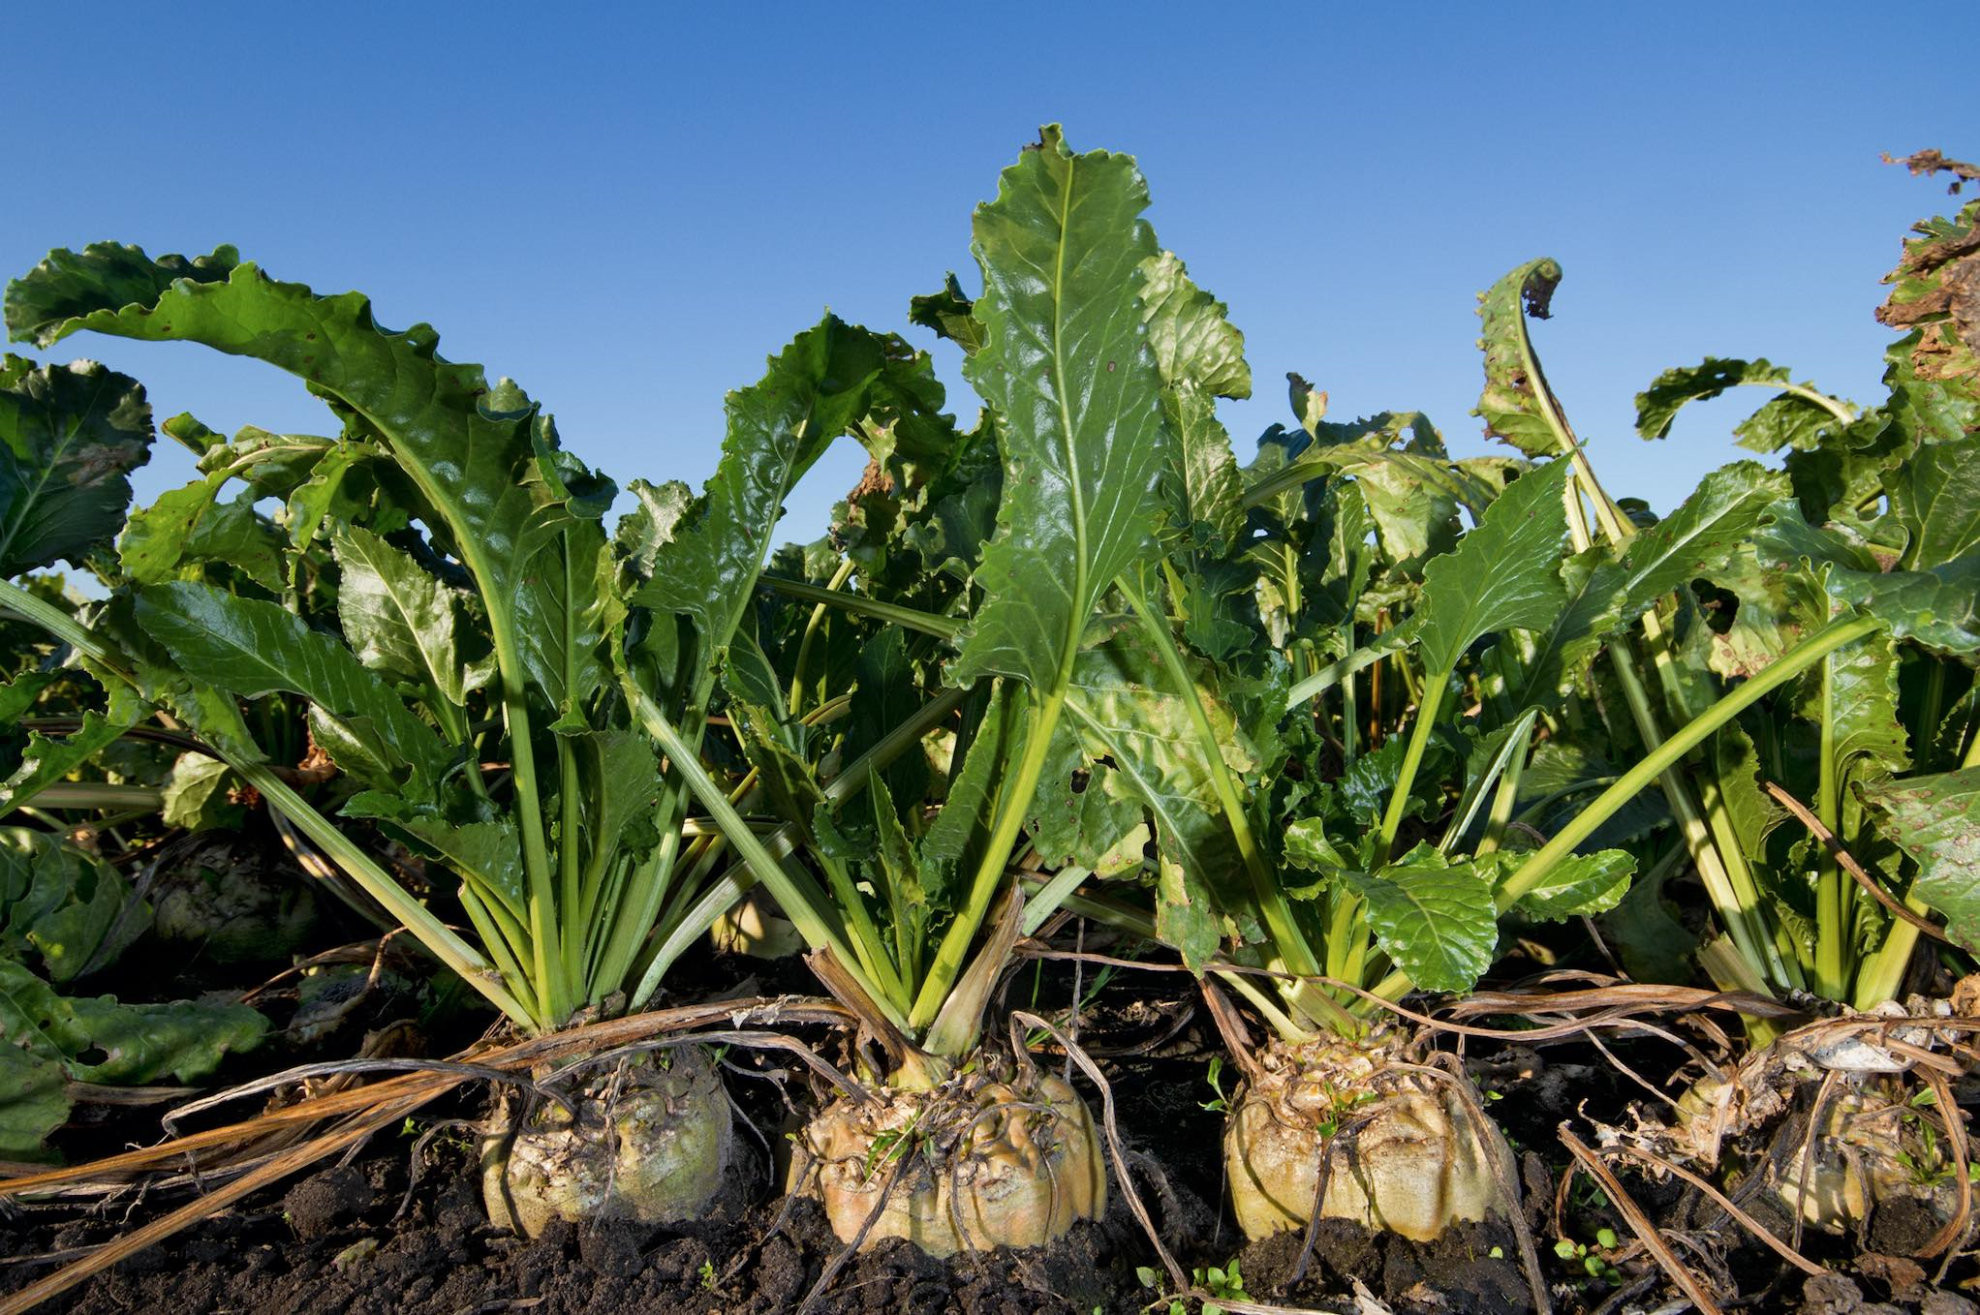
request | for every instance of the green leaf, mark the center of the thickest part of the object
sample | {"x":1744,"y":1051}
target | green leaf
{"x":1203,"y":483}
{"x":193,"y":434}
{"x":184,"y":1039}
{"x":1939,"y":607}
{"x":19,"y":695}
{"x":1505,"y":574}
{"x":1510,"y":404}
{"x":623,"y":775}
{"x":1309,"y":404}
{"x":1579,"y":886}
{"x":235,"y":536}
{"x":1789,"y":420}
{"x":1692,"y":542}
{"x":1698,"y":540}
{"x":1777,"y":592}
{"x":274,"y":465}
{"x":1490,"y":757}
{"x":211,"y":714}
{"x":312,"y":501}
{"x":252,"y":648}
{"x":47,"y":759}
{"x":1066,"y":363}
{"x":398,"y":619}
{"x":1074,"y":825}
{"x":1413,"y":494}
{"x":1185,"y":913}
{"x":1192,"y":340}
{"x":813,"y":392}
{"x":69,"y":437}
{"x":1735,"y":772}
{"x":69,"y":284}
{"x":947,"y":313}
{"x":1436,"y":923}
{"x":884,"y":697}
{"x":1201,"y":358}
{"x":1373,"y":775}
{"x":154,"y":542}
{"x":61,"y":903}
{"x":1570,"y":775}
{"x":1868,"y":739}
{"x":1307,"y":846}
{"x":1648,"y":934}
{"x":752,"y":681}
{"x":1415,"y":517}
{"x":1592,"y":584}
{"x":1936,"y":497}
{"x":568,"y":606}
{"x":788,"y":777}
{"x":191,"y":528}
{"x":900,"y":869}
{"x":487,"y":853}
{"x":962,"y":828}
{"x":1960,"y":724}
{"x":34,"y":1102}
{"x":1936,"y":820}
{"x":1142,"y":746}
{"x":466,"y":446}
{"x":196,"y":794}
{"x":1658,"y":405}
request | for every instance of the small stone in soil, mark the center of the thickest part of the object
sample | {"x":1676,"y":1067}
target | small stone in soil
{"x":1830,"y":1294}
{"x":355,"y":1254}
{"x":1903,"y":1279}
{"x":1947,"y":1303}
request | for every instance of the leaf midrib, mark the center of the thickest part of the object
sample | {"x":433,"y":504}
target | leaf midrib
{"x":1076,"y":619}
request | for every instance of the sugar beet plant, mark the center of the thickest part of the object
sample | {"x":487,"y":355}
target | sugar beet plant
{"x":1780,"y":633}
{"x":1844,"y":582}
{"x":1832,"y":810}
{"x":485,"y":666}
{"x":1784,"y":635}
{"x":1073,"y":438}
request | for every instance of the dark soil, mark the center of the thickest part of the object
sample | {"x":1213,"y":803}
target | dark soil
{"x":335,"y":1246}
{"x":361,"y":1239}
{"x":1459,"y":1274}
{"x":442,"y":1258}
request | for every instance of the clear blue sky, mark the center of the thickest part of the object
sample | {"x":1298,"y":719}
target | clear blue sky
{"x":627,"y":207}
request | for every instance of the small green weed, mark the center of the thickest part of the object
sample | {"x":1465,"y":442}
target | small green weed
{"x":1591,"y":1260}
{"x":1215,"y":1077}
{"x":891,"y":1145}
{"x":1222,"y":1282}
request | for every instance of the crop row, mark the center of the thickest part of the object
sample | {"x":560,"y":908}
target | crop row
{"x":1332,"y":726}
